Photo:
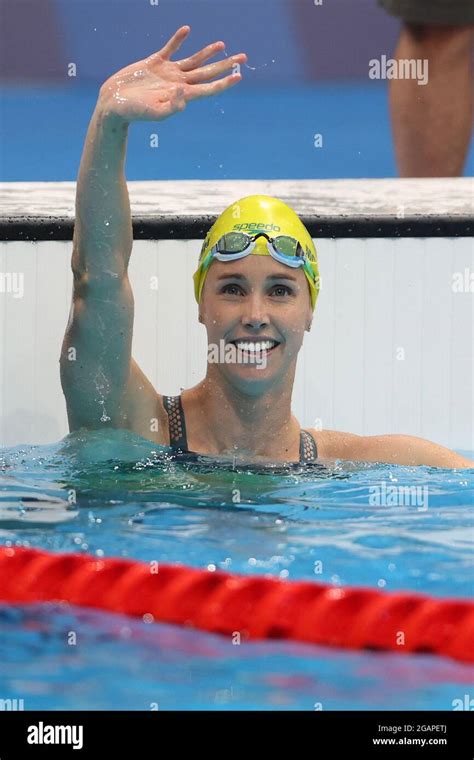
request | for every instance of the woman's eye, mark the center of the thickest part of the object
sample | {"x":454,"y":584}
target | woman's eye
{"x":225,"y":289}
{"x":284,"y":288}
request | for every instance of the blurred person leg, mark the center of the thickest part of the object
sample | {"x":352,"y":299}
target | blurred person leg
{"x":432,"y":123}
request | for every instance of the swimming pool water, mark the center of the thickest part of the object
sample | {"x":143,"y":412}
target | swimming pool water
{"x":114,"y":494}
{"x":215,"y":138}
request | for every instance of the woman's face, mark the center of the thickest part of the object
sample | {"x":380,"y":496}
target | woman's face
{"x":251,"y":299}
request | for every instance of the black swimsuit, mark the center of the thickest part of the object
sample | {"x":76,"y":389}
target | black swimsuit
{"x":179,"y":441}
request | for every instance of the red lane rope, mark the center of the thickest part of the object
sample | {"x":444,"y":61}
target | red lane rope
{"x":256,"y":607}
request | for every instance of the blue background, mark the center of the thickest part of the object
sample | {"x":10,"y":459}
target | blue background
{"x":307,"y":74}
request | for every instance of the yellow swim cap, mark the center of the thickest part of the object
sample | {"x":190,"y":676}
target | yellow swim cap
{"x":251,"y":214}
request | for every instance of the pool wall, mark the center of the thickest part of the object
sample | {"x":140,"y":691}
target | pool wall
{"x":390,"y":350}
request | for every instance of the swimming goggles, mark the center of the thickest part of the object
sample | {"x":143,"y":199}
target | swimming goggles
{"x":283,"y":248}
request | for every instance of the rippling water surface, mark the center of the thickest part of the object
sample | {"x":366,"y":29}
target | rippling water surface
{"x":111,"y":493}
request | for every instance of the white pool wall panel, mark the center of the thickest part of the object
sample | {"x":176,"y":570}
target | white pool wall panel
{"x":390,"y":350}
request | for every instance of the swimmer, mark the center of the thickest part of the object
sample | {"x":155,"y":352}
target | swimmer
{"x":256,"y":284}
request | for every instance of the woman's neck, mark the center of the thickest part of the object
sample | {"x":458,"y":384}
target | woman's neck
{"x":233,"y":422}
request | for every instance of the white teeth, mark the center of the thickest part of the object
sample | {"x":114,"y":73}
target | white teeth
{"x":264,"y":345}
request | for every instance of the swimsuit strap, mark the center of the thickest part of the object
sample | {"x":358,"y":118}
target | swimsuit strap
{"x":176,"y":423}
{"x":308,"y":447}
{"x":178,"y":438}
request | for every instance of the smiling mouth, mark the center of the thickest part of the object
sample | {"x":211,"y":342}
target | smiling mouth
{"x":255,"y":348}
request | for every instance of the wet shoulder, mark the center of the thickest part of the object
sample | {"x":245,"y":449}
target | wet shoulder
{"x":335,"y":444}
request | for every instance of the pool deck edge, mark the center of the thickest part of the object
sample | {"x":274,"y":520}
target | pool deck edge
{"x":185,"y":209}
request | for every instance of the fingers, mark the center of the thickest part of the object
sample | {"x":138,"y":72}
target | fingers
{"x":214,"y":69}
{"x":173,"y":44}
{"x":187,"y":64}
{"x":213,"y":88}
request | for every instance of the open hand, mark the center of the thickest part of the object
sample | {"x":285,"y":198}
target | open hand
{"x":156,"y":87}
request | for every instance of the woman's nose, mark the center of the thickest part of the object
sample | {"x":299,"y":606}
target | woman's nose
{"x":254,"y":314}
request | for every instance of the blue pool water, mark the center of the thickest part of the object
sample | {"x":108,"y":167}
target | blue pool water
{"x":237,"y":135}
{"x":321,"y":523}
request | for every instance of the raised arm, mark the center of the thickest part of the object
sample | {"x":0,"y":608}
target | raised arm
{"x":99,"y":378}
{"x":96,"y":350}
